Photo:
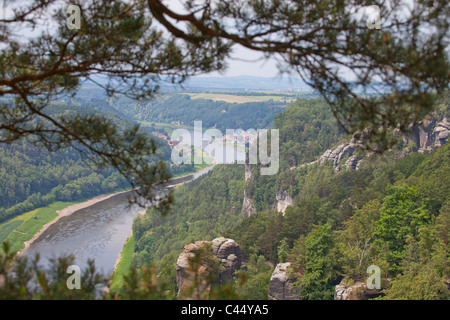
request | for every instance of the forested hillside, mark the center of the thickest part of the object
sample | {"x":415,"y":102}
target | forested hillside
{"x":92,"y":91}
{"x":392,"y":212}
{"x":372,"y":215}
{"x":180,"y":107}
{"x":33,"y":177}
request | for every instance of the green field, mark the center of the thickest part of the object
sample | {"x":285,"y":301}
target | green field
{"x":23,"y":227}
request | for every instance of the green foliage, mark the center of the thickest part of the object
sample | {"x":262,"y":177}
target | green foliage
{"x":200,"y":212}
{"x":431,"y":178}
{"x":425,"y":269}
{"x":222,"y":115}
{"x":33,"y":177}
{"x":372,"y":211}
{"x":283,"y":251}
{"x":307,"y":128}
{"x":403,"y":212}
{"x":418,"y":282}
{"x":257,"y":276}
{"x":320,"y":265}
{"x":28,"y":224}
{"x":142,"y":284}
{"x":26,"y":280}
{"x":123,"y":267}
{"x":392,"y":212}
{"x":355,"y":241}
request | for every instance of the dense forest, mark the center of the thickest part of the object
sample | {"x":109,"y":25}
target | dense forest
{"x":33,"y":177}
{"x":220,"y":114}
{"x":392,"y":212}
{"x":87,"y":87}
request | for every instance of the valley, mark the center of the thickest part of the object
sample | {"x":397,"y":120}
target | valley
{"x":326,"y":191}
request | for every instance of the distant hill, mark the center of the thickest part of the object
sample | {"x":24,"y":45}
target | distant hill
{"x":240,"y":83}
{"x":246,"y":83}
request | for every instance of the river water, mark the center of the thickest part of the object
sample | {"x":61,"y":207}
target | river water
{"x":97,"y":232}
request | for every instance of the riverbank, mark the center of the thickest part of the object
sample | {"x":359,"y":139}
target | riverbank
{"x":122,"y":265}
{"x":23,"y":227}
{"x":123,"y":262}
{"x":67,"y":211}
{"x":121,"y":255}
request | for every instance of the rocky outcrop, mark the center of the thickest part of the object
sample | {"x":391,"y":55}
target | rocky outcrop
{"x":230,"y":255}
{"x":284,"y":200}
{"x":247,"y":204}
{"x":247,"y":172}
{"x":206,"y":263}
{"x":280,"y":286}
{"x":337,"y":154}
{"x":340,"y":152}
{"x":440,"y":133}
{"x":191,"y":274}
{"x":355,"y":291}
{"x":427,"y":135}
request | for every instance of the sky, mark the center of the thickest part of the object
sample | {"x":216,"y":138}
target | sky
{"x":247,"y":62}
{"x":243,"y":61}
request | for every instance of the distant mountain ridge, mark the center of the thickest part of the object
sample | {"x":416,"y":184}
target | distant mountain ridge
{"x":247,"y":82}
{"x":230,"y":83}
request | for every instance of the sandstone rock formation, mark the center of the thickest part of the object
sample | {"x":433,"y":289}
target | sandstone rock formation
{"x":230,"y":255}
{"x":340,"y":152}
{"x":355,"y":291}
{"x":247,"y":204}
{"x":427,"y":135}
{"x":206,"y":263}
{"x":283,"y":201}
{"x":280,"y":286}
{"x":337,"y":154}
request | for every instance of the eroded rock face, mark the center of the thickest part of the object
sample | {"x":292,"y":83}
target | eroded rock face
{"x":356,"y":291}
{"x":248,"y":207}
{"x":337,"y":154}
{"x":280,"y":286}
{"x":429,"y":134}
{"x":206,"y":263}
{"x":230,"y":254}
{"x":284,"y":200}
{"x":441,"y":133}
{"x":340,"y":152}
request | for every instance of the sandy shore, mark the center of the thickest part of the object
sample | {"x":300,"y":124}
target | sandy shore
{"x":67,"y":212}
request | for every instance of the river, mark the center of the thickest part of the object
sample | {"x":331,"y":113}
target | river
{"x":99,"y":231}
{"x":96,"y":232}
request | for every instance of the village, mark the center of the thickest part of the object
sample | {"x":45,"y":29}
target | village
{"x":241,"y":137}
